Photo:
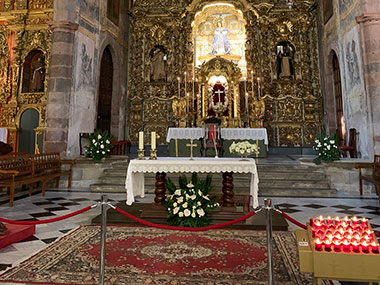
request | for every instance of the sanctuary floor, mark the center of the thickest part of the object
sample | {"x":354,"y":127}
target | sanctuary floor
{"x":58,"y":203}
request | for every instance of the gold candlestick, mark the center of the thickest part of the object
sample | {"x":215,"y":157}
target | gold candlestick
{"x":153,"y":154}
{"x":141,"y":154}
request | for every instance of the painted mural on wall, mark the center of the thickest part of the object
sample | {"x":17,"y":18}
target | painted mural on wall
{"x":352,"y":63}
{"x":344,"y":5}
{"x":85,"y":72}
{"x":90,"y":8}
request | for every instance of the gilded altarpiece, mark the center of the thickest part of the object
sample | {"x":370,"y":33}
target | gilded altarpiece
{"x":24,"y":32}
{"x":162,"y":38}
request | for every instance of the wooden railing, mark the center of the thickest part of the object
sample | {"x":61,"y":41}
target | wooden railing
{"x":120,"y":147}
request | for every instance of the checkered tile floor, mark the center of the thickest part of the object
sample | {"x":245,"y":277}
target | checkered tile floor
{"x":57,"y":203}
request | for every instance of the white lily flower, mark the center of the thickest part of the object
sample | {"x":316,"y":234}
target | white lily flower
{"x":177,"y":192}
{"x":187,"y":212}
{"x":200,"y":212}
{"x":180,"y":200}
{"x":99,"y":137}
{"x":94,"y":141}
{"x":190,"y":185}
{"x":175,"y":204}
{"x":180,"y":214}
{"x":185,"y":205}
{"x":176,"y":209}
{"x":193,"y":215}
{"x":102,"y":146}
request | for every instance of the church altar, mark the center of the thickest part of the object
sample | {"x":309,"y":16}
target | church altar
{"x":134,"y":183}
{"x":179,"y":137}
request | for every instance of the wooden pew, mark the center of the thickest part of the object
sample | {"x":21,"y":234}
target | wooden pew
{"x":374,"y":178}
{"x":25,"y":169}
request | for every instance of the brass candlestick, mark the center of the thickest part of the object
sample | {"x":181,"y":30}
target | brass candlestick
{"x":141,"y":154}
{"x":153,"y":154}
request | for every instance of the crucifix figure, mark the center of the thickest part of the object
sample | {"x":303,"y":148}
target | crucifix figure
{"x":219,"y":92}
{"x":191,"y":145}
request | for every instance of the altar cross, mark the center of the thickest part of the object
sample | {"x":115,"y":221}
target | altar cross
{"x":219,"y":92}
{"x":191,"y":145}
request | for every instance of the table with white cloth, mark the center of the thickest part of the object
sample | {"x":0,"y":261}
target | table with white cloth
{"x":134,"y":183}
{"x":178,"y":138}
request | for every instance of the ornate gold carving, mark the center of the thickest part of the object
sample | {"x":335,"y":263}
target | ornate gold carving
{"x":293,"y":109}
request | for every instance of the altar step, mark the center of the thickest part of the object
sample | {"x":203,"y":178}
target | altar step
{"x":274,"y":180}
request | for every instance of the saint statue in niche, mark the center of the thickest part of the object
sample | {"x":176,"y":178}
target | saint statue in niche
{"x":284,"y":61}
{"x":158,"y":64}
{"x":220,"y":43}
{"x":37,"y":75}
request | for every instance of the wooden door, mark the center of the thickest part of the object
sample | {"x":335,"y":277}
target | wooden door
{"x":338,"y":99}
{"x":105,"y":92}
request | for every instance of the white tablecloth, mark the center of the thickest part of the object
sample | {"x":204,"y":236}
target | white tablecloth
{"x":184,"y":133}
{"x":245,"y":134}
{"x":227,"y":133}
{"x":134,"y":183}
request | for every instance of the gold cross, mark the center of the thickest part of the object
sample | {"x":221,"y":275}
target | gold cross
{"x":191,"y":145}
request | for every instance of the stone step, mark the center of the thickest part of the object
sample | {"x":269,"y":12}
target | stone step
{"x":108,"y":188}
{"x":292,"y":175}
{"x":297,"y":192}
{"x":293,"y":184}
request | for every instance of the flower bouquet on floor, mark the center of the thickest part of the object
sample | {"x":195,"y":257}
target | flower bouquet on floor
{"x":99,"y":145}
{"x":244,"y":149}
{"x":190,"y":204}
{"x":327,"y":147}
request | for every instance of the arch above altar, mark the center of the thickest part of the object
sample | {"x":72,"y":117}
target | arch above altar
{"x":218,"y":83}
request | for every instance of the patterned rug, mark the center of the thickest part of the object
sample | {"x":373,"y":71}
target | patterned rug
{"x":138,"y":255}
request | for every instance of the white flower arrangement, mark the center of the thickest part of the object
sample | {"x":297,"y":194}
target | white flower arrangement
{"x":189,"y":205}
{"x":327,"y":147}
{"x":244,"y":148}
{"x":99,"y":145}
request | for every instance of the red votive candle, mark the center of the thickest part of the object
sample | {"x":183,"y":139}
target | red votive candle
{"x":317,"y":225}
{"x":337,"y":246}
{"x":346,"y":246}
{"x":318,"y":245}
{"x":355,"y":246}
{"x":338,"y":236}
{"x":337,"y":220}
{"x":355,"y":220}
{"x":346,"y":220}
{"x":364,"y":222}
{"x":374,"y":247}
{"x":329,"y":220}
{"x":328,"y":244}
{"x":365,"y":247}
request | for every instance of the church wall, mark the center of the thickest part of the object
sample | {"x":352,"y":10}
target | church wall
{"x":78,"y":106}
{"x":341,"y":34}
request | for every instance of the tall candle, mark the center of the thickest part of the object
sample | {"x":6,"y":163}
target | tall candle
{"x":141,"y":140}
{"x":192,"y":105}
{"x":185,"y":83}
{"x":258,"y":88}
{"x":179,"y":87}
{"x":153,"y":140}
{"x":245,"y":85}
{"x":252,"y":83}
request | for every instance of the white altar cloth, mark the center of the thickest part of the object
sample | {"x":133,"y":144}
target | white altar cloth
{"x":226,"y":133}
{"x":134,"y":183}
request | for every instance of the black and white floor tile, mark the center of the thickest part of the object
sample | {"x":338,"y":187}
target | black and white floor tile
{"x":58,"y":203}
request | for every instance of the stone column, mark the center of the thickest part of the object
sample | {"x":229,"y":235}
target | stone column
{"x":370,"y":37}
{"x":59,"y":86}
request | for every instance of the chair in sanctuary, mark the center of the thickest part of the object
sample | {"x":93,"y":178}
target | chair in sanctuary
{"x":212,"y":137}
{"x":351,"y":147}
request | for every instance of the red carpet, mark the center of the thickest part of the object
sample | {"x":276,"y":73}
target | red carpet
{"x":136,"y":255}
{"x":16,"y":233}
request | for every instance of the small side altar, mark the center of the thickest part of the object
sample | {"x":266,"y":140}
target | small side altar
{"x":178,"y":138}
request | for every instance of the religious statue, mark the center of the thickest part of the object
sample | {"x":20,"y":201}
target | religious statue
{"x":284,"y":62}
{"x":256,"y":113}
{"x":158,"y":63}
{"x":179,"y":111}
{"x":37,"y":75}
{"x":220,"y":43}
{"x":218,"y":100}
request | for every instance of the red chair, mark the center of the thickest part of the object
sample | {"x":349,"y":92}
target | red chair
{"x":212,"y":137}
{"x":351,"y":147}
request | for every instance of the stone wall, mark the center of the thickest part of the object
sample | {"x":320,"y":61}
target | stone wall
{"x":349,"y":35}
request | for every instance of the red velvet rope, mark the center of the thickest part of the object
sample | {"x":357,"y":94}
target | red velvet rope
{"x":290,"y":219}
{"x":185,"y":228}
{"x":45,"y":221}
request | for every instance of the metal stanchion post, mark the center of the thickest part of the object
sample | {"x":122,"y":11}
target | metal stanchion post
{"x":268,"y":208}
{"x":103,"y":237}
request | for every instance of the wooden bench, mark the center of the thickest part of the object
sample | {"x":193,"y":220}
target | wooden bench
{"x":25,"y":169}
{"x":374,"y":178}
